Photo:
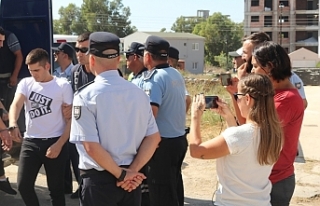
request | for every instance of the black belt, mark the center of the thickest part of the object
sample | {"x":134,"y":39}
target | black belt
{"x":40,"y":139}
{"x":94,"y":171}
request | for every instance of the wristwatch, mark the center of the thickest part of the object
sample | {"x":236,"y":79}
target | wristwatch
{"x":122,"y":176}
{"x":12,"y":128}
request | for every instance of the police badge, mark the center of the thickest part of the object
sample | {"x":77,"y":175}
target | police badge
{"x":298,"y":85}
{"x":76,"y":112}
{"x":148,"y":92}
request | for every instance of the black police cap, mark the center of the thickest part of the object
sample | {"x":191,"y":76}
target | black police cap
{"x":99,"y":42}
{"x":135,"y":48}
{"x":157,"y":45}
{"x":65,"y":48}
{"x":173,"y":53}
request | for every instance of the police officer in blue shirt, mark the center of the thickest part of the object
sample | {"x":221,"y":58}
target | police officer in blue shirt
{"x":134,"y":56}
{"x":166,"y":89}
{"x":113,"y":128}
{"x":63,"y":55}
{"x":173,"y":62}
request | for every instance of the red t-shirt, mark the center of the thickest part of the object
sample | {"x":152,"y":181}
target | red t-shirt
{"x":290,"y":109}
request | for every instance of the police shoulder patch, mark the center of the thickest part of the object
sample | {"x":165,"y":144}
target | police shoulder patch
{"x":298,"y":85}
{"x":76,"y":112}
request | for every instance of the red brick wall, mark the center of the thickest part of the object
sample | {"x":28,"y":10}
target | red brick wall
{"x":257,"y":8}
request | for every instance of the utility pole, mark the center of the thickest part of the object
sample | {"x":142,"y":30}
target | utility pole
{"x":227,"y":55}
{"x":280,"y":21}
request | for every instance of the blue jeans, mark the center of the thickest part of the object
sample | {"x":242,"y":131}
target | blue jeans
{"x":282,"y":191}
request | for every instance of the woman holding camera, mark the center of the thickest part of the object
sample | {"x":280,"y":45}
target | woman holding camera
{"x":245,"y":154}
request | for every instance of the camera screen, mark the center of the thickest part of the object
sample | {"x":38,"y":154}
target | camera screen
{"x":211,"y":102}
{"x":225,"y":79}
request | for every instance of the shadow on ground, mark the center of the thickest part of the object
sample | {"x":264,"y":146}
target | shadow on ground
{"x":197,"y":202}
{"x":42,"y":193}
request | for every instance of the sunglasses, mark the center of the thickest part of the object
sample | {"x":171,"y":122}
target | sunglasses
{"x":235,"y":95}
{"x":129,"y":55}
{"x":82,"y":50}
{"x":56,"y":52}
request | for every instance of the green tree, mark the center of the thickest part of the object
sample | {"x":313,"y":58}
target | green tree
{"x":163,"y":30}
{"x":105,"y":15}
{"x":70,"y":21}
{"x":184,"y":24}
{"x":221,"y":35}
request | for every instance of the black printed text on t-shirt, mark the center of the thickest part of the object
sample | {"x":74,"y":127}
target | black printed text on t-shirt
{"x":40,"y":105}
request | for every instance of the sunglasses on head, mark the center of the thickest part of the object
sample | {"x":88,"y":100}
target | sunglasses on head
{"x":82,"y":50}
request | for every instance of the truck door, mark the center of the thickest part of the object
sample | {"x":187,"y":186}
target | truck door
{"x":31,"y":22}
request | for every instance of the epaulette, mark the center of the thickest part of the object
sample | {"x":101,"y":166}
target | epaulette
{"x":148,"y":74}
{"x":83,"y":86}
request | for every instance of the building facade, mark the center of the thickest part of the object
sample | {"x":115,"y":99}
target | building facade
{"x":292,"y":23}
{"x":190,"y":46}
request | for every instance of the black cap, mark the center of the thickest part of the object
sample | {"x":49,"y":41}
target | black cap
{"x":65,"y":48}
{"x":99,"y":42}
{"x":156,"y":45}
{"x":135,"y":48}
{"x":173,"y":53}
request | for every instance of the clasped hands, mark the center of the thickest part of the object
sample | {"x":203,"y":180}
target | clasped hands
{"x":132,"y":180}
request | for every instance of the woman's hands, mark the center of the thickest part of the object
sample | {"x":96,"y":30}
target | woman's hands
{"x":198,"y":106}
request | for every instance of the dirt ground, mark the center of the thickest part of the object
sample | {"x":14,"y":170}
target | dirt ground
{"x":200,"y":182}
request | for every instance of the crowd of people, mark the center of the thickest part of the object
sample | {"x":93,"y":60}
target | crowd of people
{"x":125,"y":141}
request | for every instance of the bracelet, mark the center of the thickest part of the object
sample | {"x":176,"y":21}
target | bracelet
{"x":6,"y":129}
{"x":122,"y":175}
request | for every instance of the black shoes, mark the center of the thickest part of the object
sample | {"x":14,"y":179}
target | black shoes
{"x":75,"y":195}
{"x":6,"y":187}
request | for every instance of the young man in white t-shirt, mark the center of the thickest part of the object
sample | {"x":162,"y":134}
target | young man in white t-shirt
{"x":46,"y":128}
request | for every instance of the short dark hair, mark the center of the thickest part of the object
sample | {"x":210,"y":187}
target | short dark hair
{"x":2,"y":32}
{"x":37,"y":55}
{"x":273,"y":55}
{"x":257,"y":38}
{"x":84,"y":36}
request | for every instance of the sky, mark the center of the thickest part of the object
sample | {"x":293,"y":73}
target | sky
{"x":153,"y":15}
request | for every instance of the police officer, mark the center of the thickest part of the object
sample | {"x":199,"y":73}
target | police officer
{"x":108,"y":131}
{"x":173,"y":62}
{"x":63,"y":55}
{"x":298,"y":83}
{"x":80,"y":75}
{"x":11,"y":59}
{"x":134,"y":56}
{"x":166,"y":89}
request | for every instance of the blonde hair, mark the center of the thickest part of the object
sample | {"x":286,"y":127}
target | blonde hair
{"x":264,"y":114}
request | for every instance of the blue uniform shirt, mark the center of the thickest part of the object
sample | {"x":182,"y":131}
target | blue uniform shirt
{"x":66,"y":74}
{"x":166,"y":88}
{"x":114,"y":113}
{"x":297,"y":82}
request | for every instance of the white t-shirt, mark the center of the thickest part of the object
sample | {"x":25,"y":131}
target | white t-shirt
{"x":242,"y":180}
{"x":42,"y":106}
